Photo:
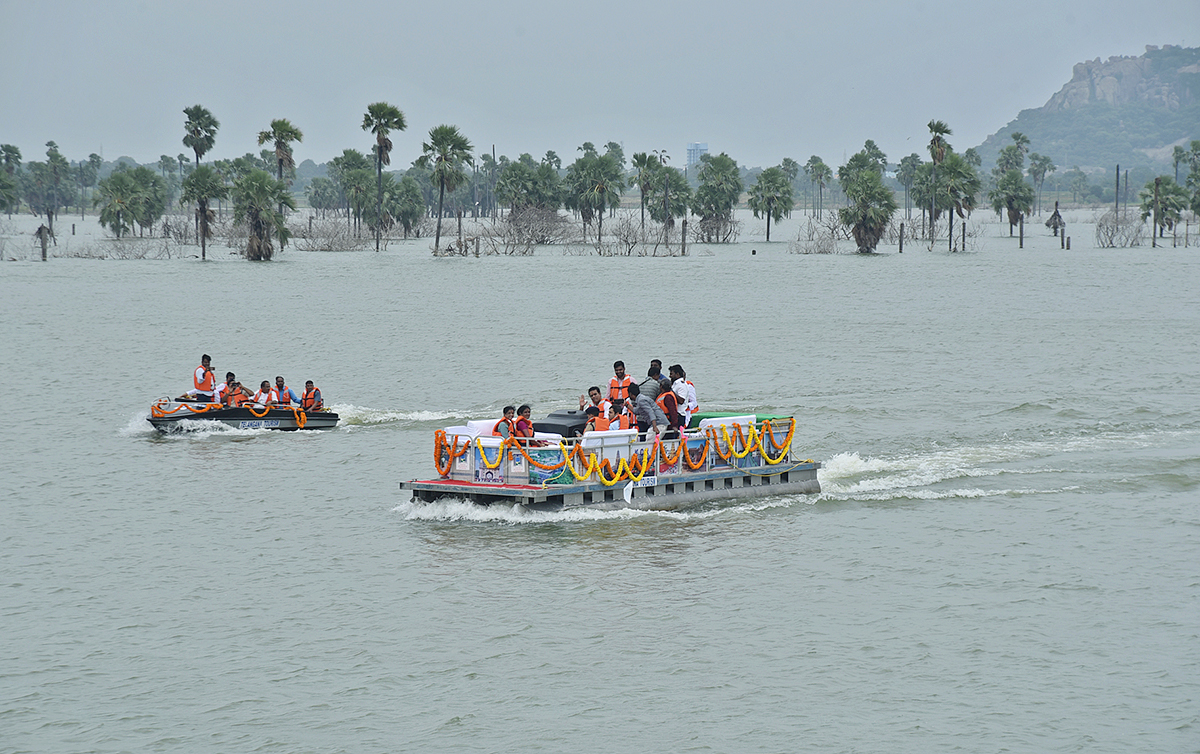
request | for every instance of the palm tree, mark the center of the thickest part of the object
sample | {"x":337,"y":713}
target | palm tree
{"x":771,"y":196}
{"x":869,"y":210}
{"x":444,"y":155}
{"x":938,"y":131}
{"x":8,"y":192}
{"x":200,"y":130}
{"x":280,"y":135}
{"x":381,"y":119}
{"x":1040,"y":167}
{"x":204,"y":184}
{"x":645,"y":165}
{"x":255,"y":197}
{"x":962,"y":186}
{"x":1178,"y":155}
{"x":820,"y":173}
{"x":59,"y":169}
{"x":1013,"y":194}
{"x":598,"y":185}
{"x":11,"y":157}
{"x":117,"y":196}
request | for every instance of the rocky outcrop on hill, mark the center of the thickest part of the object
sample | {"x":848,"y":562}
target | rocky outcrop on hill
{"x":1167,"y":77}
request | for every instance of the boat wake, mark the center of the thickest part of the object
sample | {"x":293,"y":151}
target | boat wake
{"x":361,"y":416}
{"x":450,"y":509}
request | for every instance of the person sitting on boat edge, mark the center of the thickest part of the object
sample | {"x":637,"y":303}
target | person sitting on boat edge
{"x":618,"y":386}
{"x":266,"y":395}
{"x":312,"y":398}
{"x":649,"y":416}
{"x":286,"y":395}
{"x":506,"y":427}
{"x":650,"y":385}
{"x":204,"y":382}
{"x":594,"y":394}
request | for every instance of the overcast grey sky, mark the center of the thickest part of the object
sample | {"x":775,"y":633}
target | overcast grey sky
{"x":759,"y":80}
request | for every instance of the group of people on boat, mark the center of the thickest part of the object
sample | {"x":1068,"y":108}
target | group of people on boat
{"x":659,"y":405}
{"x":234,"y":394}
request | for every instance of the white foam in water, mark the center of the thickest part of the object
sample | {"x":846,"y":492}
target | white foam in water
{"x":452,"y":509}
{"x":351,"y":414}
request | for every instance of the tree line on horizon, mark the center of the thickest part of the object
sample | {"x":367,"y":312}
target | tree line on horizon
{"x":448,"y":179}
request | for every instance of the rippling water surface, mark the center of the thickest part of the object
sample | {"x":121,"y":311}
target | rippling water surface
{"x":1004,"y":556}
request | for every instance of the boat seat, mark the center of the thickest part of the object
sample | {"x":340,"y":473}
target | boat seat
{"x":745,"y":421}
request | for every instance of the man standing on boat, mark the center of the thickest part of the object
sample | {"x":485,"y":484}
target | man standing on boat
{"x":204,"y":381}
{"x":650,"y":385}
{"x":649,"y":416}
{"x":618,"y":386}
{"x":685,"y":391}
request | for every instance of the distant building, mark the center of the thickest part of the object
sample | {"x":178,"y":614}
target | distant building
{"x":694,"y":150}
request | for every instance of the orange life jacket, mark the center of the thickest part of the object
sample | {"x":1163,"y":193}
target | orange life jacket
{"x":623,"y":421}
{"x":264,"y":398}
{"x":235,"y":397}
{"x":599,"y":423}
{"x":518,"y":432}
{"x":618,"y":390}
{"x":206,"y":384}
{"x":661,"y":400}
{"x":512,"y":428}
{"x":282,"y":395}
{"x":310,"y":402}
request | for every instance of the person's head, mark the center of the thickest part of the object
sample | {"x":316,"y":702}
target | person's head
{"x":279,"y":382}
{"x":510,"y":412}
{"x":592,"y":411}
{"x":664,"y":383}
{"x":265,"y":385}
{"x":229,"y":378}
{"x":614,"y":410}
{"x":634,"y":391}
{"x":655,"y":368}
{"x":205,"y":360}
{"x":308,"y":385}
{"x":619,"y":368}
{"x":676,"y":372}
{"x":594,"y":394}
{"x":524,"y":411}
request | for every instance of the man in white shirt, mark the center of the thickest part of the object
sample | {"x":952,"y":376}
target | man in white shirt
{"x":685,"y":392}
{"x":266,"y":395}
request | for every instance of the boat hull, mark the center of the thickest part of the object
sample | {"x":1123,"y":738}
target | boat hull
{"x":182,"y":416}
{"x":650,"y":493}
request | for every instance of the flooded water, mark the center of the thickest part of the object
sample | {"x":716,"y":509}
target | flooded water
{"x":1004,"y":556}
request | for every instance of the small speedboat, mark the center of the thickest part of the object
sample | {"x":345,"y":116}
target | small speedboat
{"x":173,"y":415}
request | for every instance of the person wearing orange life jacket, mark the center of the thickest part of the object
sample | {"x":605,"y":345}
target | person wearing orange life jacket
{"x":266,"y":395}
{"x":204,"y":382}
{"x":286,"y":395}
{"x":595,"y":423}
{"x":669,"y":403}
{"x":618,"y":386}
{"x":524,"y":425}
{"x":228,"y":390}
{"x":506,"y":427}
{"x":311,"y":401}
{"x":618,"y":419}
{"x":593,"y":394}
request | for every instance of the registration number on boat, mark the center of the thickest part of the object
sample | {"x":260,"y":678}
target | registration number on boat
{"x":259,"y":424}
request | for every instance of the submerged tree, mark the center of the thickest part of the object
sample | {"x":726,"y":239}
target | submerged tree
{"x":381,"y":119}
{"x":200,"y":130}
{"x":716,"y":196}
{"x":255,"y":198}
{"x":644,"y":166}
{"x":1040,"y":167}
{"x":938,"y":131}
{"x":116,"y":196}
{"x":771,"y":197}
{"x":869,"y":210}
{"x":444,"y":156}
{"x":592,"y":185}
{"x":202,"y":186}
{"x":1014,"y":195}
{"x":1171,"y":199}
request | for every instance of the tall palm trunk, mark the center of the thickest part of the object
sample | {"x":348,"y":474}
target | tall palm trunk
{"x":437,"y":238}
{"x":378,"y":195}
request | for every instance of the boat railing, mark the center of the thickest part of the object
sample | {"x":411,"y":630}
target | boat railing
{"x":611,"y":456}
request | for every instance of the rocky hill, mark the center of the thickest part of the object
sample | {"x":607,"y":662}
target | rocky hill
{"x":1131,"y":110}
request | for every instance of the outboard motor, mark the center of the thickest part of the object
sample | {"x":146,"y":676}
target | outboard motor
{"x":568,"y":423}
